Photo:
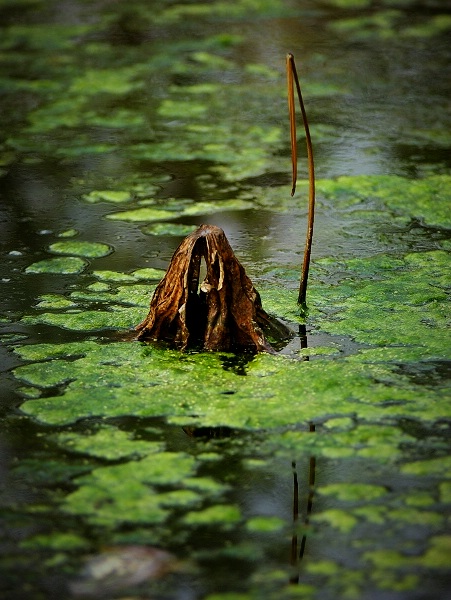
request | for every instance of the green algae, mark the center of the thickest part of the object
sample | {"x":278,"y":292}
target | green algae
{"x":353,"y":492}
{"x":434,"y":26}
{"x":265,"y":524}
{"x":148,"y":273}
{"x":114,"y":196}
{"x":78,"y":248}
{"x":69,"y":233}
{"x":433,"y":467}
{"x":126,"y":493}
{"x":58,"y":541}
{"x":381,"y":25}
{"x":108,"y":443}
{"x":55,"y":302}
{"x":181,"y":109}
{"x":358,"y":404}
{"x":407,"y":307}
{"x":223,"y":10}
{"x":90,"y":320}
{"x":436,"y":557}
{"x":445,"y":492}
{"x":194,"y":209}
{"x":337,"y":518}
{"x":350,"y":4}
{"x":373,"y":441}
{"x":99,"y":287}
{"x":220,"y":515}
{"x":257,"y":401}
{"x":125,"y":304}
{"x":175,"y":229}
{"x":69,"y":265}
{"x":34,"y":37}
{"x":142,"y":214}
{"x":206,"y":208}
{"x":113,"y":276}
{"x":425,"y":200}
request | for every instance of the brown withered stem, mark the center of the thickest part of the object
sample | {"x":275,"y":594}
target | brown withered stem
{"x":222,"y":312}
{"x":293,"y":80}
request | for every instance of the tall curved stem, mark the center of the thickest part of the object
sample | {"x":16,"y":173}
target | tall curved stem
{"x":293,"y":80}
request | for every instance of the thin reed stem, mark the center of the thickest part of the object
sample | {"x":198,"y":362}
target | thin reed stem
{"x":293,"y":80}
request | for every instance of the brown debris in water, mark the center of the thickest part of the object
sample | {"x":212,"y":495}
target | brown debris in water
{"x":222,"y":312}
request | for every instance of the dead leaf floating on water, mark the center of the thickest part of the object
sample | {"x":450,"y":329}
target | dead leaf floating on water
{"x":120,"y":568}
{"x":222,"y":312}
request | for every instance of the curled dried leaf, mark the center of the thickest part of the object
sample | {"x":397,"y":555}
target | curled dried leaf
{"x":221,"y":312}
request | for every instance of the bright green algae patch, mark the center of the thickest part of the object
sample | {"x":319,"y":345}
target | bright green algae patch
{"x":125,"y":305}
{"x":78,"y":248}
{"x":115,"y":196}
{"x":427,"y":200}
{"x":69,"y":265}
{"x":175,"y":210}
{"x":98,"y":110}
{"x":141,"y":381}
{"x":391,"y":303}
{"x":122,"y":493}
{"x":175,"y":229}
{"x":399,"y":305}
{"x":108,"y":443}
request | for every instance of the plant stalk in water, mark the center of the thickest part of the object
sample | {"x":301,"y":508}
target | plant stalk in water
{"x":292,"y":80}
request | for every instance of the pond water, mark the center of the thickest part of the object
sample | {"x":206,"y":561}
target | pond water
{"x":136,"y":471}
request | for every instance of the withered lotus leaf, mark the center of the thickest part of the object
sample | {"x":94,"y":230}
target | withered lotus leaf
{"x":221,"y":312}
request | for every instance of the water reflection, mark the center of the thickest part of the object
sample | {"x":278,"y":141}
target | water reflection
{"x":298,"y":548}
{"x":302,"y":496}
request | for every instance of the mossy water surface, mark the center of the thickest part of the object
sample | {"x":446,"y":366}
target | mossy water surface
{"x":128,"y":126}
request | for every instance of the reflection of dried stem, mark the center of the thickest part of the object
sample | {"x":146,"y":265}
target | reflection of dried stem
{"x":292,"y":79}
{"x":223,"y":312}
{"x":298,"y":555}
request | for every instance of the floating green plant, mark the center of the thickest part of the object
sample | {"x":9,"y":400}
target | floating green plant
{"x":142,"y":214}
{"x":66,"y":542}
{"x":55,"y":302}
{"x":108,"y":443}
{"x":220,"y":515}
{"x":265,"y":524}
{"x":175,"y":229}
{"x":69,"y":265}
{"x":78,"y":248}
{"x":115,"y":196}
{"x":123,"y":494}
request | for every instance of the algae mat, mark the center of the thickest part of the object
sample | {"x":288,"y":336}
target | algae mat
{"x":132,"y":470}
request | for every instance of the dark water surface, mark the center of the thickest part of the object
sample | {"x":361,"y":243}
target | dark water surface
{"x":182,"y":103}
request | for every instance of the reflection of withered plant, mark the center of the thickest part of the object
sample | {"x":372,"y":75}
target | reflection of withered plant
{"x":224,"y":311}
